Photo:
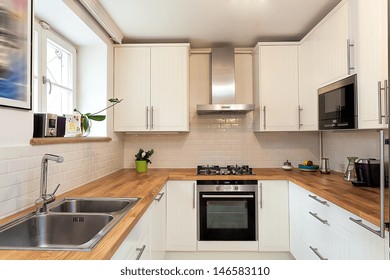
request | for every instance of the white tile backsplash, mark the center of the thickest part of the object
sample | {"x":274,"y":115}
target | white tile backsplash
{"x":20,"y":168}
{"x":222,"y":140}
{"x":337,"y":146}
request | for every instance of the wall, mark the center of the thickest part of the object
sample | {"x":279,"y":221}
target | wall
{"x":222,"y":139}
{"x":84,"y":162}
{"x":337,"y":146}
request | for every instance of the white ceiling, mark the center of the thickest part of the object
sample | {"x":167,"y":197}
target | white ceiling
{"x":206,"y":23}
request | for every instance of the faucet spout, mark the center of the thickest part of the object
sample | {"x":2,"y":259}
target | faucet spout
{"x":45,"y":198}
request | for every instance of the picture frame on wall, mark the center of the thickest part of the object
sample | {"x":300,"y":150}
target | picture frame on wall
{"x":16,"y":18}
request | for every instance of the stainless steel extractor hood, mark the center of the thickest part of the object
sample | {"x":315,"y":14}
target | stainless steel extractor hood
{"x":223,"y":85}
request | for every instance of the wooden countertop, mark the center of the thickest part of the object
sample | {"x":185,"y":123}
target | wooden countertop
{"x":363,"y":202}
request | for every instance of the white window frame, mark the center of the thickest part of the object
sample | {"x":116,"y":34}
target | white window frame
{"x":43,"y":35}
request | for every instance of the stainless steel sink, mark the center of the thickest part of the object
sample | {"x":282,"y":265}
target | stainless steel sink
{"x":93,"y":205}
{"x":72,"y":224}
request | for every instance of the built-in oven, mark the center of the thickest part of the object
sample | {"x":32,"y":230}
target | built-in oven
{"x":227,"y":210}
{"x":337,"y":105}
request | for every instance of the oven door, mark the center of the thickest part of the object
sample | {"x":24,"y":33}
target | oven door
{"x":227,"y":216}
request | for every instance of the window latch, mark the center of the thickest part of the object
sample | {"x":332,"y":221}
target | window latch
{"x":45,"y":81}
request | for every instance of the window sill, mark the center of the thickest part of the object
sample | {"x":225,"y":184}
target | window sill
{"x":67,"y":140}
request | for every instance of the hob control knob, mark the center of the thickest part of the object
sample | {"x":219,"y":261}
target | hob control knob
{"x":218,"y":188}
{"x":236,"y":188}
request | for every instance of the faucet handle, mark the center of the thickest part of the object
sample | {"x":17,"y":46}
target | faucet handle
{"x":56,"y":190}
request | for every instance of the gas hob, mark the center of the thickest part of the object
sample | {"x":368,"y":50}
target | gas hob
{"x":224,"y":170}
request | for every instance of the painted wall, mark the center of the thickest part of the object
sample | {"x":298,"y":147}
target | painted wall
{"x":20,"y":162}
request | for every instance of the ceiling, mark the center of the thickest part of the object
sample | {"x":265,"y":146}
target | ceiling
{"x":207,"y":23}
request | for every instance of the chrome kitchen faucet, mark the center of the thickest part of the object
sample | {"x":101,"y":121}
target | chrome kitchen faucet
{"x":45,"y":198}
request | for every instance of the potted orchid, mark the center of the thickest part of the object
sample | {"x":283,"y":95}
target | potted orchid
{"x":142,"y":158}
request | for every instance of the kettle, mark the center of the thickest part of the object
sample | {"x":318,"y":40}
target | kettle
{"x":367,"y":172}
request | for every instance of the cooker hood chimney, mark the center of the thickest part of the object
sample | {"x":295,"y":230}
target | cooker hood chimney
{"x":223,"y":85}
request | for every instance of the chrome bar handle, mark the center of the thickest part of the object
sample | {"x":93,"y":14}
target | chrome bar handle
{"x":360,"y":223}
{"x":385,"y":92}
{"x":380,"y":88}
{"x":151,"y":118}
{"x":147,"y":118}
{"x":323,"y":202}
{"x":193,"y":195}
{"x":160,"y":197}
{"x":315,"y":251}
{"x":227,"y":196}
{"x":261,"y":195}
{"x":315,"y":215}
{"x":141,"y":251}
{"x":299,"y":116}
{"x":265,"y":118}
{"x":382,"y":184}
{"x":349,"y":45}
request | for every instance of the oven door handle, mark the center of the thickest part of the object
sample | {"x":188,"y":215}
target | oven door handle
{"x":227,"y":196}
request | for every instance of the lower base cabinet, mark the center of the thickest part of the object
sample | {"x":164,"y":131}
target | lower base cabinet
{"x":159,"y":225}
{"x":136,"y":245}
{"x":273,"y":216}
{"x":181,"y":216}
{"x":321,"y":230}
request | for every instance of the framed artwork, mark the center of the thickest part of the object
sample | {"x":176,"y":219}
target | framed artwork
{"x":16,"y":18}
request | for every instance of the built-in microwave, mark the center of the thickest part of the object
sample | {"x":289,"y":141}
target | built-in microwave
{"x":337,"y":105}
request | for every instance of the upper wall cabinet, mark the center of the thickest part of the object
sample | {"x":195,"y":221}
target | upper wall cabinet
{"x":334,"y":47}
{"x":153,"y":81}
{"x":371,"y":58}
{"x":308,"y":98}
{"x":275,"y":70}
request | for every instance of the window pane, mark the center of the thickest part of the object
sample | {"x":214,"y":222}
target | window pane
{"x":59,"y":65}
{"x":59,"y":101}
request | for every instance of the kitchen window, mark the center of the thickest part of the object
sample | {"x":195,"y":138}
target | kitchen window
{"x":54,"y":69}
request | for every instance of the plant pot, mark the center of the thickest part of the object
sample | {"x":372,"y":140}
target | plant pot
{"x":141,"y":166}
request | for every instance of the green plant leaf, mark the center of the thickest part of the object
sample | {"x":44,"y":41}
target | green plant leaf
{"x":85,"y":123}
{"x":98,"y":118}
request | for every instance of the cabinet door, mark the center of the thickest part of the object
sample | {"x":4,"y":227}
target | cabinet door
{"x":137,"y":244}
{"x":332,"y":47}
{"x":273,"y":216}
{"x":279,"y":88}
{"x":170,"y":88}
{"x":308,"y":97}
{"x":371,"y":54}
{"x":181,"y":216}
{"x":159,"y":226}
{"x":132,"y":83}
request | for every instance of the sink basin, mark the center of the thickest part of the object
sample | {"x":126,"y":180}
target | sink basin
{"x":93,"y":205}
{"x":54,"y":231}
{"x":75,"y":224}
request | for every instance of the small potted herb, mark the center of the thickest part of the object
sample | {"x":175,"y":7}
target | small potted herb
{"x":142,"y":159}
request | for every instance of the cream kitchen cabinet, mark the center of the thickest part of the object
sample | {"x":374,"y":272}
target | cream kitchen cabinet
{"x":321,"y":230}
{"x":307,"y":97}
{"x":334,"y":50}
{"x":159,"y":225}
{"x":181,"y":216}
{"x":153,"y":81}
{"x":372,"y":59}
{"x":273,"y":216}
{"x":275,"y":69}
{"x":136,"y":245}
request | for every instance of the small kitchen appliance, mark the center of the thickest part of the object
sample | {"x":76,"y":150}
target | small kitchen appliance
{"x":367,"y":173}
{"x":45,"y":125}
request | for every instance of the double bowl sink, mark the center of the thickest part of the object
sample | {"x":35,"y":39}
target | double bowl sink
{"x":75,"y":224}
